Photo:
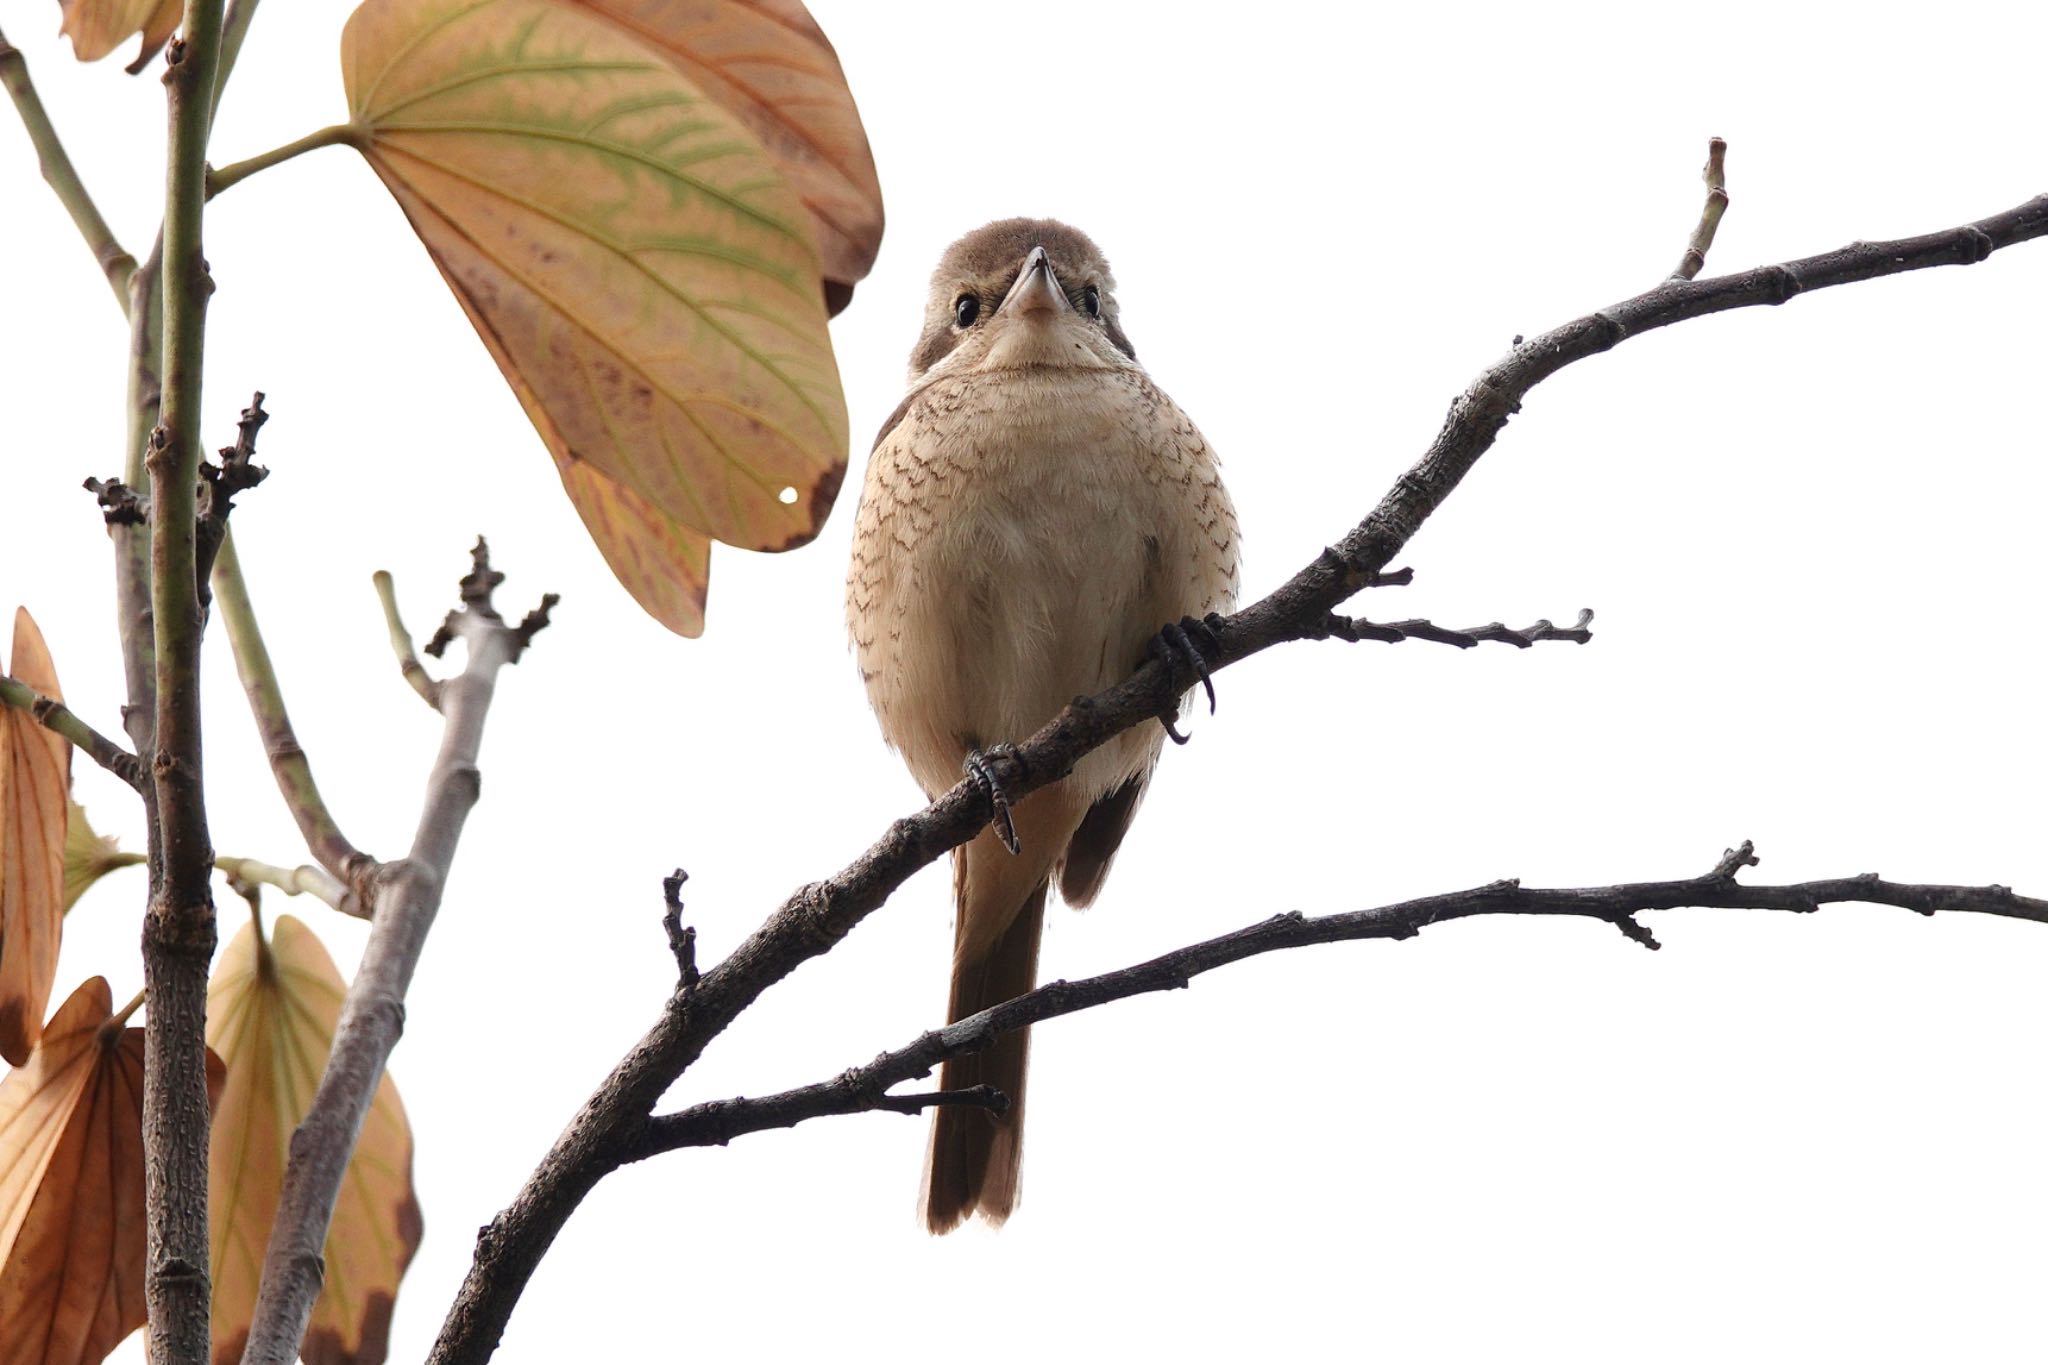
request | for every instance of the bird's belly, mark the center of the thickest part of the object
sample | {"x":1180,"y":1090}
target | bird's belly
{"x":1039,"y":572}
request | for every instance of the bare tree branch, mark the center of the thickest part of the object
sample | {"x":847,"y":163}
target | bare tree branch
{"x":56,"y":716}
{"x":864,"y":1088}
{"x":288,"y":762}
{"x":1357,"y":628}
{"x":605,"y":1131}
{"x":237,"y":472}
{"x":1714,"y":173}
{"x":409,"y":664}
{"x":406,"y":895}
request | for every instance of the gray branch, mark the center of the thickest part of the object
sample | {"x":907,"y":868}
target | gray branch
{"x":405,"y":896}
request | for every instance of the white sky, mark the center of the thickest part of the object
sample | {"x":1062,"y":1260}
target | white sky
{"x":1810,"y":535}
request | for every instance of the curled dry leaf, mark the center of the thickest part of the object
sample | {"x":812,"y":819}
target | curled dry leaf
{"x":270,"y":1013}
{"x":630,"y":254}
{"x":35,"y":787}
{"x":768,"y":63}
{"x":89,"y":856}
{"x":72,"y":1227}
{"x":97,"y":27}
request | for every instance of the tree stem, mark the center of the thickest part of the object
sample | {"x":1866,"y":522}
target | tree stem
{"x":178,"y":931}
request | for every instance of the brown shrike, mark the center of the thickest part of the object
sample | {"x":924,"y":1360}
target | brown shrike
{"x":1036,"y":515}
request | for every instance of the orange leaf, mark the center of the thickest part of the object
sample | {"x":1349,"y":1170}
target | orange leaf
{"x":97,"y":27}
{"x":71,"y":1197}
{"x":663,"y":563}
{"x":35,"y":785}
{"x":270,"y":1013}
{"x":631,"y":256}
{"x":769,"y":63}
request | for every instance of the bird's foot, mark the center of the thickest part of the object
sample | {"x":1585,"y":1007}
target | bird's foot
{"x":1182,"y":645}
{"x":979,"y":767}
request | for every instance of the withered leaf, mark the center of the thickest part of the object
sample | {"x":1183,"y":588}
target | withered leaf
{"x":35,"y":787}
{"x":271,"y":1010}
{"x":769,"y":63}
{"x":631,"y":255}
{"x":72,"y":1222}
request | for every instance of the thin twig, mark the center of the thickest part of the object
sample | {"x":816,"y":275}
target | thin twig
{"x":178,"y":931}
{"x":234,"y":29}
{"x":288,"y":762}
{"x":132,"y":601}
{"x":682,"y":939}
{"x":293,"y":881}
{"x":237,"y":472}
{"x":401,"y":643}
{"x":817,"y":916}
{"x":114,"y":262}
{"x":1716,"y":176}
{"x":407,"y":897}
{"x":1357,"y":628}
{"x":857,"y":1091}
{"x":56,"y":716}
{"x":864,"y":1088}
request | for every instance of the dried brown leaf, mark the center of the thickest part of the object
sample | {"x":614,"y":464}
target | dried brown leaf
{"x":769,"y":63}
{"x":631,"y":255}
{"x":35,"y":787}
{"x":270,"y":1013}
{"x":71,"y":1203}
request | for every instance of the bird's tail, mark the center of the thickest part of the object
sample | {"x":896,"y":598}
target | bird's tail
{"x":975,"y":1157}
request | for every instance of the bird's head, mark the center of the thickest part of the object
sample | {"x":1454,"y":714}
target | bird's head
{"x":1019,"y":293}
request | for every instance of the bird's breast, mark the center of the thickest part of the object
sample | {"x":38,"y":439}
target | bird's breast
{"x":1021,"y":535}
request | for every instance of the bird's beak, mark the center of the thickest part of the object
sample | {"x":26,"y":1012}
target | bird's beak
{"x":1037,"y":289}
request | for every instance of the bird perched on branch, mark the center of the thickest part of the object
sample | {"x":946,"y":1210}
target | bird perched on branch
{"x":1037,"y":517}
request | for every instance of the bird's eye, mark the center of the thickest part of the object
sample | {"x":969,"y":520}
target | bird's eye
{"x":1091,"y":301}
{"x":966,"y":309}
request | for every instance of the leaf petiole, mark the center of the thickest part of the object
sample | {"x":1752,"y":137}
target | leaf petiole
{"x":335,"y":135}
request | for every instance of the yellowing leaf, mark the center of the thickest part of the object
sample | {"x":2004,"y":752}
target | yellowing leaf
{"x":97,"y":27}
{"x":89,"y":856}
{"x":71,"y":1204}
{"x":664,"y":564}
{"x":629,"y":252}
{"x":270,"y":1013}
{"x":35,"y":785}
{"x":768,"y":63}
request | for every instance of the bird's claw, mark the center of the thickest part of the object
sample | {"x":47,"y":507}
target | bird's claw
{"x":1176,"y":645}
{"x":977,"y":767}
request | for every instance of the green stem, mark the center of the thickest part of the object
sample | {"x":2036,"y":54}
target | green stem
{"x":288,"y":761}
{"x":233,"y":30}
{"x":338,"y":135}
{"x":54,"y":715}
{"x":62,"y":175}
{"x":401,"y":643}
{"x":179,"y":935}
